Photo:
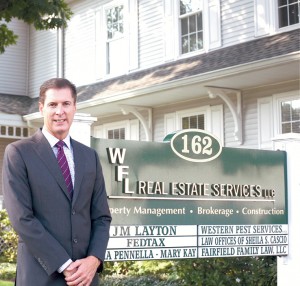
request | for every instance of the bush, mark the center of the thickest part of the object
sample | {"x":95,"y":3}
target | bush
{"x":7,"y":271}
{"x":121,"y":280}
{"x":246,"y":271}
{"x":9,"y":239}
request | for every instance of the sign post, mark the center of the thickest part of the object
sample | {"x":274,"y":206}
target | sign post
{"x":288,"y":266}
{"x":191,"y":198}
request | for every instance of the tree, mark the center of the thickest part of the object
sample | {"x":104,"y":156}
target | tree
{"x":42,"y":14}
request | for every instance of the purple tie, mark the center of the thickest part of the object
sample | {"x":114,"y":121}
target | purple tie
{"x":63,"y":164}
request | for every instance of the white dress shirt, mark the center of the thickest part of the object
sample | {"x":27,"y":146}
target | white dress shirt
{"x":67,"y":149}
{"x":70,"y":158}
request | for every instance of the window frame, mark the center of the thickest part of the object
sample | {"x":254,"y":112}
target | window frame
{"x":191,"y":112}
{"x":187,"y":16}
{"x":108,"y":69}
{"x":274,"y":21}
{"x":266,"y":17}
{"x":288,"y":27}
{"x":131,"y":129}
{"x":277,"y":100}
{"x":14,"y":132}
{"x":122,"y":40}
{"x":211,"y":20}
{"x":213,"y":119}
{"x":130,"y":40}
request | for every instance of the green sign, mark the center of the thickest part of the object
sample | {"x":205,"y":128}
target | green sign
{"x":189,"y":197}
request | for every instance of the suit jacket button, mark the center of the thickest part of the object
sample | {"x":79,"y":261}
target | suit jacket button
{"x":75,"y":240}
{"x":73,"y":212}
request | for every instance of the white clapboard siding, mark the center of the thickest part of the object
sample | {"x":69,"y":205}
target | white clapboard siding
{"x":237,"y":21}
{"x":14,"y":62}
{"x":250,"y":120}
{"x":43,"y":59}
{"x":80,"y":42}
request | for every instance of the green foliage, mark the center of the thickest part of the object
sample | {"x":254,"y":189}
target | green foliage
{"x":6,"y":283}
{"x":7,"y":271}
{"x":245,"y":271}
{"x":250,"y":271}
{"x":133,"y":281}
{"x":42,"y":14}
{"x":7,"y":38}
{"x":9,"y":237}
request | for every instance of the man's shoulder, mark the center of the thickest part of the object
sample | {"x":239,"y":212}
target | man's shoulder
{"x":80,"y":145}
{"x":82,"y":148}
{"x":22,"y":143}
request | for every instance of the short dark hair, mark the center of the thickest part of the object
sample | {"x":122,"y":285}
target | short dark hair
{"x":57,"y":83}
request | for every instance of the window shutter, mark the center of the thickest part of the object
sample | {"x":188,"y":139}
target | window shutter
{"x":98,"y":131}
{"x":170,"y":125}
{"x":265,"y":123}
{"x":100,"y":46}
{"x":169,"y":46}
{"x":214,"y":24}
{"x":262,"y":17}
{"x":133,"y":34}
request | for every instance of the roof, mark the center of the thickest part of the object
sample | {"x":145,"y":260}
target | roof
{"x":247,"y":52}
{"x":16,"y":104}
{"x":243,"y":53}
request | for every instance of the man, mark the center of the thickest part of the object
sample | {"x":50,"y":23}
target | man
{"x":63,"y":233}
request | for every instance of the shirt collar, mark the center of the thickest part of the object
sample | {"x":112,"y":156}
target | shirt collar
{"x":53,"y":140}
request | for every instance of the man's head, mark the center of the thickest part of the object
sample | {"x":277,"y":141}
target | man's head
{"x":57,"y":83}
{"x":58,"y":106}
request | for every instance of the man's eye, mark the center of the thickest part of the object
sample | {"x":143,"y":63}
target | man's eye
{"x":51,"y":105}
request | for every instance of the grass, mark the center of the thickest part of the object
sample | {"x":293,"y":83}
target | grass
{"x":6,"y":283}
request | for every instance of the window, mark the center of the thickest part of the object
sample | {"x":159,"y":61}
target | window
{"x":13,"y":132}
{"x":116,"y":36}
{"x":114,"y":24}
{"x":118,"y":133}
{"x":288,"y":12}
{"x":191,"y":26}
{"x":127,"y":129}
{"x":277,"y":114}
{"x":192,"y":118}
{"x":209,"y":118}
{"x":276,"y":15}
{"x":195,"y":121}
{"x":290,"y":116}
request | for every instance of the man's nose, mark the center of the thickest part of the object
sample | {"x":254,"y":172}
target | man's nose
{"x":59,"y":109}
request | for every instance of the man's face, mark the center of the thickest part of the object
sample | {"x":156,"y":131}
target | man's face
{"x":58,"y":110}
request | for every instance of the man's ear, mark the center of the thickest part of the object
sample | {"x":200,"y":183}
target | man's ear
{"x":41,"y":106}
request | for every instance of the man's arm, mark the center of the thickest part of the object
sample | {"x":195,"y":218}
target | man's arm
{"x":100,"y":217}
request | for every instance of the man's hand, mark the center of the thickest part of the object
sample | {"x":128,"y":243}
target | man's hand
{"x":67,"y":272}
{"x":82,"y":271}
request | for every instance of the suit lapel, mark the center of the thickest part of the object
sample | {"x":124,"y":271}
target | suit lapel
{"x":45,"y":153}
{"x":79,"y":167}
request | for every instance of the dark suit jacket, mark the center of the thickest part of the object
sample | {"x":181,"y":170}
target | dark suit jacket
{"x":51,"y":227}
